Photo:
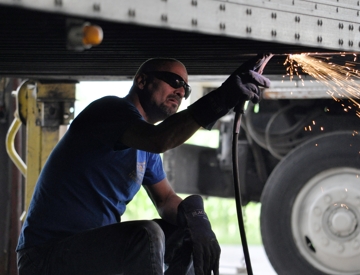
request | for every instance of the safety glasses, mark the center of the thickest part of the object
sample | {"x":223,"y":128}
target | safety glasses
{"x":173,"y":80}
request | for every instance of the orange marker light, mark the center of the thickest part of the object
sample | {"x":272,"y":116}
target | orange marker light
{"x":92,"y":35}
{"x":83,"y":35}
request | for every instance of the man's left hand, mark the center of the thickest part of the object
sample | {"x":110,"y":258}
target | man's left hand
{"x":206,"y":249}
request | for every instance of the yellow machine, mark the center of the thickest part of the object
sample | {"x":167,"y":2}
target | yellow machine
{"x":44,"y":108}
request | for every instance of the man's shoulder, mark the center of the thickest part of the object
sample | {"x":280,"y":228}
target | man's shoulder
{"x":109,"y":104}
{"x":111,"y":99}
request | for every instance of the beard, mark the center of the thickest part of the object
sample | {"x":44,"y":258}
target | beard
{"x":155,"y":111}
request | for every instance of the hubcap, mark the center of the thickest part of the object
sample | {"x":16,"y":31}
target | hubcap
{"x":342,"y":221}
{"x":326,"y":218}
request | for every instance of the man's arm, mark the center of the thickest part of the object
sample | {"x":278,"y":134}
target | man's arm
{"x":165,"y":200}
{"x":172,"y":132}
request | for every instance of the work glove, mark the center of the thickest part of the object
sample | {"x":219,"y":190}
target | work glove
{"x":205,"y":247}
{"x":242,"y":85}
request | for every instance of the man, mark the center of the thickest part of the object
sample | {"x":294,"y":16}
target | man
{"x":111,"y":149}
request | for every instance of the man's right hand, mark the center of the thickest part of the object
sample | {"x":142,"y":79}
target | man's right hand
{"x":245,"y":81}
{"x":242,"y":85}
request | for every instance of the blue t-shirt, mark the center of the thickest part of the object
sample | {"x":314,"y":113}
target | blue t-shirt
{"x":89,"y":177}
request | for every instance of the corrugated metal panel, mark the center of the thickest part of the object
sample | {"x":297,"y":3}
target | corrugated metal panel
{"x":329,"y":24}
{"x":34,"y":43}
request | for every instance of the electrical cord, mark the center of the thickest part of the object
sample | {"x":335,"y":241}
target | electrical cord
{"x":239,"y":110}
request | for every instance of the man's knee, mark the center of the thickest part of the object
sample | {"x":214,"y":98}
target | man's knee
{"x":145,"y":249}
{"x":152,"y":232}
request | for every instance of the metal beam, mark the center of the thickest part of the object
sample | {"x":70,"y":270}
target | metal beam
{"x":323,"y":24}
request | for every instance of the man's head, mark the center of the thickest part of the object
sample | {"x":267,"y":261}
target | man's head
{"x":161,"y":84}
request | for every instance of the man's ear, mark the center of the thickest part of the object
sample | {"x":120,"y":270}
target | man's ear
{"x":140,"y":81}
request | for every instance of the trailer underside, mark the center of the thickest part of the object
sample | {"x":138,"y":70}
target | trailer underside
{"x":33,"y":45}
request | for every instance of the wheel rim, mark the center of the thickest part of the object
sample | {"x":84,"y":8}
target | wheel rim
{"x":326,"y":221}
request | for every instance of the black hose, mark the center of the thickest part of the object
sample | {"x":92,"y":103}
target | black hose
{"x":239,"y":110}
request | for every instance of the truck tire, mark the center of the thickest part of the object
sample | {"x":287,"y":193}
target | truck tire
{"x":310,"y":212}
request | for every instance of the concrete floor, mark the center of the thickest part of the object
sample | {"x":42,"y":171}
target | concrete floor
{"x":232,"y":261}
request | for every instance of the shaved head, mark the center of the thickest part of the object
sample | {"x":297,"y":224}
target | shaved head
{"x":156,"y":97}
{"x":156,"y":64}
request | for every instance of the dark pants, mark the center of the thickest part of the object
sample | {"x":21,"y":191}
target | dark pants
{"x":128,"y":248}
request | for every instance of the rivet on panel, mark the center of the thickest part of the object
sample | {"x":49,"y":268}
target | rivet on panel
{"x":248,"y":11}
{"x":248,"y":29}
{"x":341,"y":25}
{"x":351,"y":27}
{"x":96,"y":7}
{"x":319,"y":39}
{"x":164,"y":18}
{"x":222,"y":26}
{"x":58,"y":3}
{"x":319,"y":22}
{"x":351,"y":43}
{"x":273,"y":15}
{"x":194,"y":3}
{"x":297,"y":36}
{"x":337,"y":9}
{"x":273,"y":33}
{"x":222,"y":7}
{"x":194,"y":22}
{"x":297,"y":19}
{"x":341,"y":42}
{"x":131,"y":13}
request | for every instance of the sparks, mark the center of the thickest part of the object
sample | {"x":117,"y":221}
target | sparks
{"x":340,"y":80}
